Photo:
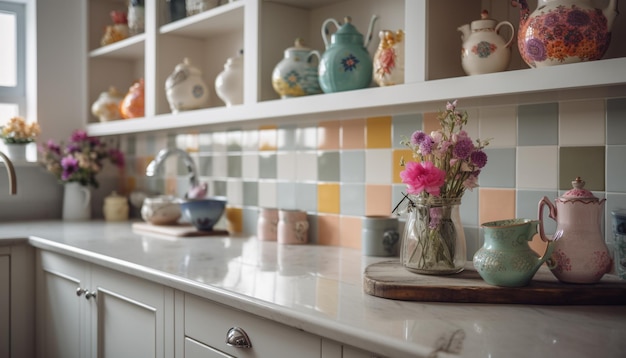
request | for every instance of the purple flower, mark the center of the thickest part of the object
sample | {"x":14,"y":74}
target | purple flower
{"x":51,"y":147}
{"x":426,"y":146}
{"x":578,"y":18}
{"x":78,"y":135}
{"x":451,"y":106}
{"x":70,"y":166}
{"x":417,"y":137}
{"x":535,"y":50}
{"x":479,"y":158}
{"x":463,"y":148}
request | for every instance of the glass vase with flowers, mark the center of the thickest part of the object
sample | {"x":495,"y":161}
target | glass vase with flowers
{"x":444,"y":164}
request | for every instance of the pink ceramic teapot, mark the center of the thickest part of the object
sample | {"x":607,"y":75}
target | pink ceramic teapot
{"x":580,"y":254}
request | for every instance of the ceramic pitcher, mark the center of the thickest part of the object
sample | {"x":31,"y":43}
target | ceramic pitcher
{"x":296,"y":74}
{"x":76,"y":202}
{"x":346,"y":64}
{"x":506,"y":259}
{"x":484,"y":50}
{"x":580,"y":253}
{"x":564,"y":31}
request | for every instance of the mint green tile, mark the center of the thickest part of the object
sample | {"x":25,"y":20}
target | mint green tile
{"x":403,"y":125}
{"x":584,"y":162}
{"x":616,"y":121}
{"x":328,"y":166}
{"x":538,"y":124}
{"x":234,"y":166}
{"x":500,"y":169}
{"x":616,"y":168}
{"x":353,"y":166}
{"x":250,"y":193}
{"x":234,"y":138}
{"x":352,"y":199}
{"x":268,"y":166}
{"x":306,"y":196}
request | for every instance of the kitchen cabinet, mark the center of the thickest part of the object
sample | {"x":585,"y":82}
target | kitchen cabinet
{"x":264,"y":28}
{"x":85,"y":310}
{"x":17,"y":292}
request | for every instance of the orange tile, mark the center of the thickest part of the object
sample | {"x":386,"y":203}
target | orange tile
{"x":496,"y":204}
{"x":377,"y":199}
{"x":353,"y":134}
{"x":350,"y":232}
{"x":431,"y":123}
{"x":268,"y":138}
{"x":398,"y":154}
{"x":328,"y":230}
{"x":378,"y":131}
{"x":328,"y":198}
{"x":328,"y":135}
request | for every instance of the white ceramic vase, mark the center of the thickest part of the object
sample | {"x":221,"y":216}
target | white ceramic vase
{"x":76,"y":202}
{"x":17,"y":152}
{"x":229,"y":83}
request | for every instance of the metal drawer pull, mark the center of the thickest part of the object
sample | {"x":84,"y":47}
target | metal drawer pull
{"x":80,"y":291}
{"x":237,"y":337}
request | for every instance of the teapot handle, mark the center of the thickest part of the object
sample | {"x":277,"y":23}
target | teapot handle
{"x":552,"y":214}
{"x":503,"y":23}
{"x":313,"y":53}
{"x":325,"y":32}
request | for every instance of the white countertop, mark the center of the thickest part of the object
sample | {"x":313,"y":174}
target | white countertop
{"x":319,"y":289}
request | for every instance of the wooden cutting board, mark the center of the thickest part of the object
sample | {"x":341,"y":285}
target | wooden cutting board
{"x":389,"y":279}
{"x":180,"y":230}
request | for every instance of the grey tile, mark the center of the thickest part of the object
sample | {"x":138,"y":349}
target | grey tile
{"x":616,"y":168}
{"x":538,"y":124}
{"x":616,"y":121}
{"x":286,"y":195}
{"x":469,"y":209}
{"x":500,"y":169}
{"x":250,"y":217}
{"x":403,"y":125}
{"x":352,"y":166}
{"x":287,"y":137}
{"x":250,"y":193}
{"x":306,"y":196}
{"x":267,"y":166}
{"x":473,"y":241}
{"x":352,"y":199}
{"x":205,"y":165}
{"x":397,"y":191}
{"x":585,"y":162}
{"x":233,"y":140}
{"x":219,"y":188}
{"x":527,"y":204}
{"x":328,"y":166}
{"x":234,"y":166}
{"x":205,"y":142}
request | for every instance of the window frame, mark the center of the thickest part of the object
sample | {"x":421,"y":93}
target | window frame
{"x":17,"y":94}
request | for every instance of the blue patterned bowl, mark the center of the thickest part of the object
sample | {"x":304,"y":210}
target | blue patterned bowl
{"x":204,"y":213}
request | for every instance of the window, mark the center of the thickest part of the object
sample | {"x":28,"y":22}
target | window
{"x":12,"y":60}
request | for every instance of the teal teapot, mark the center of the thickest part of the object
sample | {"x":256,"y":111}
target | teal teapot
{"x":346,"y":64}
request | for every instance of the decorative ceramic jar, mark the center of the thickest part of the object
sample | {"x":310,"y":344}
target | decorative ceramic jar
{"x":506,"y":259}
{"x":185,"y":89}
{"x":115,"y":207}
{"x":229,"y":83}
{"x":197,"y":6}
{"x":564,"y":31}
{"x":132,"y":106}
{"x":295,"y":75}
{"x":107,"y":106}
{"x":484,"y":50}
{"x":136,"y":16}
{"x":346,"y":64}
{"x":580,"y":253}
{"x":389,"y":58}
{"x":118,"y":31}
{"x":267,"y":224}
{"x":434,"y":241}
{"x":293,"y":227}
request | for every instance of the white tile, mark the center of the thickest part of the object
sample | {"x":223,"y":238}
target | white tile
{"x":306,"y":166}
{"x":267,"y":194}
{"x":582,"y":123}
{"x":537,"y":167}
{"x":378,"y":167}
{"x":234,"y":191}
{"x":220,"y":165}
{"x":286,"y":165}
{"x":250,"y":166}
{"x":498,"y":124}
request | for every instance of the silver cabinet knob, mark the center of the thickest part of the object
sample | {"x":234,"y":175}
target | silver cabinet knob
{"x":237,"y":337}
{"x":89,"y":295}
{"x":80,"y":291}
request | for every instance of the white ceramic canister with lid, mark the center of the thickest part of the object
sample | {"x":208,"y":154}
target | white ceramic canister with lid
{"x":185,"y":88}
{"x":229,"y":83}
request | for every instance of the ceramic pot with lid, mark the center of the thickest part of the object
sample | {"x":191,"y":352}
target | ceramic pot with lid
{"x":133,"y":105}
{"x":185,"y":88}
{"x":296,"y":74}
{"x":107,"y":106}
{"x":115,"y":207}
{"x":229,"y":83}
{"x":580,"y":253}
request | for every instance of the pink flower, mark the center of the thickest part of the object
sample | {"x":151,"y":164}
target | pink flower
{"x":424,"y":176}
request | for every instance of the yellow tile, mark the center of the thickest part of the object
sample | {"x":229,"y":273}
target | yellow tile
{"x":378,"y":131}
{"x":328,"y":230}
{"x":398,"y":154}
{"x":328,"y":135}
{"x":328,"y":198}
{"x":268,"y":137}
{"x":377,"y":199}
{"x":496,"y":204}
{"x":350,"y":232}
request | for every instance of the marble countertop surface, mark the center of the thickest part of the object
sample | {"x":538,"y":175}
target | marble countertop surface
{"x":319,"y":289}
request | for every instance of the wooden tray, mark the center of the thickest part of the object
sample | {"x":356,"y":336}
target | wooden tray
{"x":388,"y":279}
{"x":180,"y":230}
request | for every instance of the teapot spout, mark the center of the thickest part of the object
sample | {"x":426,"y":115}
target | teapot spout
{"x":370,"y":31}
{"x":465,"y":31}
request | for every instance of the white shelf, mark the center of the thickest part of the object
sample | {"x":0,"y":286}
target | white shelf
{"x":130,"y":48}
{"x":580,"y":80}
{"x":219,"y":20}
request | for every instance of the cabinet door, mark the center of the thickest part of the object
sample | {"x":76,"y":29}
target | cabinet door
{"x":130,"y":317}
{"x":195,"y":349}
{"x":62,"y":320}
{"x":5,"y":308}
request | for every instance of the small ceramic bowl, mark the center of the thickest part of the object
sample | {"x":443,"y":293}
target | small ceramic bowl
{"x":205,"y":212}
{"x":161,"y":210}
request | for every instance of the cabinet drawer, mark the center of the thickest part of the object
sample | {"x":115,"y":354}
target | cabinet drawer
{"x":209,"y":322}
{"x":195,"y":349}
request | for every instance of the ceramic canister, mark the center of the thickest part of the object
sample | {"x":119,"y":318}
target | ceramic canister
{"x":379,"y":235}
{"x":267,"y":224}
{"x":292,"y":227}
{"x":229,"y":83}
{"x":296,"y":75}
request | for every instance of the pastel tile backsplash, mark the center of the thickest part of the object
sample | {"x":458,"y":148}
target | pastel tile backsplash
{"x":341,"y":170}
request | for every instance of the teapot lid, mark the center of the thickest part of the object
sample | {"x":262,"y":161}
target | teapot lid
{"x":115,"y":197}
{"x":298,"y":45}
{"x":347,"y":28}
{"x":186,"y":66}
{"x":484,"y":23}
{"x":578,"y":191}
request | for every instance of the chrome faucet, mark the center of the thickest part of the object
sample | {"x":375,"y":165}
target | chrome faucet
{"x":10,"y":173}
{"x":163,"y":154}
